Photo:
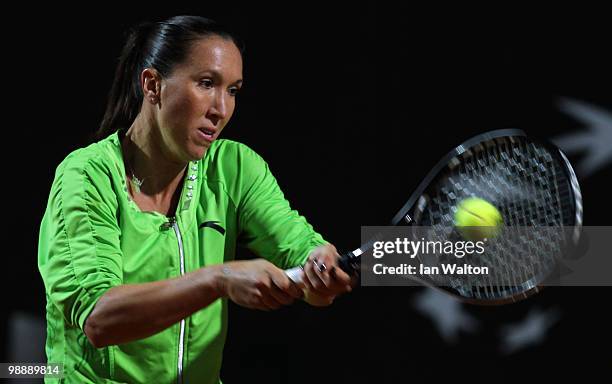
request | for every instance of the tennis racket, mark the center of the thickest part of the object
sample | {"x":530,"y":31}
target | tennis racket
{"x":530,"y":182}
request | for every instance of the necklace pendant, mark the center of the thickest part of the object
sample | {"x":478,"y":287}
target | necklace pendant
{"x":136,"y":183}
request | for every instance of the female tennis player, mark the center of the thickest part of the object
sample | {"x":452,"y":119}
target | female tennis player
{"x":138,"y":239}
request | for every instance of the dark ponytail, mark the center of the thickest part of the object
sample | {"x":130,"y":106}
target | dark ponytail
{"x":161,"y":46}
{"x":125,"y":96}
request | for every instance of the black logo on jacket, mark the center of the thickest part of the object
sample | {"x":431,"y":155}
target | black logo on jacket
{"x":214,"y":225}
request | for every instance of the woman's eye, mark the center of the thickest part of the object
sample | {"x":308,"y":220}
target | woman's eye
{"x":207,"y":83}
{"x":233,"y":91}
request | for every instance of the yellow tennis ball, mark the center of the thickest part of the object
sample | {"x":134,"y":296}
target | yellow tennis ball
{"x":477,"y":219}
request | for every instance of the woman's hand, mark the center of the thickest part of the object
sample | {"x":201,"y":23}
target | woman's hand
{"x":323,"y":279}
{"x":257,"y":284}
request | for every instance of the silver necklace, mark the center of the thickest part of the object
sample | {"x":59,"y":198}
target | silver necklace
{"x":136,"y":182}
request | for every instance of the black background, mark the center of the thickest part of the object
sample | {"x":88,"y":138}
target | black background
{"x":350,"y":107}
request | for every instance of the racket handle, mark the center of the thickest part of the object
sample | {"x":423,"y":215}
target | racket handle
{"x":348,"y":262}
{"x":295,"y":274}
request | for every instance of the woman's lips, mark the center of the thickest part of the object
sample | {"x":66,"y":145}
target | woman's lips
{"x":207,"y":134}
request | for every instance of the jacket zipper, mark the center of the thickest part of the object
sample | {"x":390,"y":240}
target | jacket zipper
{"x":182,"y":269}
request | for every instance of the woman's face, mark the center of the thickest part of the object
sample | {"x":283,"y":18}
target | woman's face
{"x":198,"y":98}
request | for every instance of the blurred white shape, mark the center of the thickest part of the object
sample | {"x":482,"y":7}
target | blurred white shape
{"x":446,"y":312}
{"x":530,"y":331}
{"x":26,"y":342}
{"x":595,"y":141}
{"x":26,"y":338}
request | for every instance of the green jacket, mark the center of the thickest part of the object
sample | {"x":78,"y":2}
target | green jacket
{"x":94,"y":237}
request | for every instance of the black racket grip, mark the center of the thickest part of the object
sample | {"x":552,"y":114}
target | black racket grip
{"x":350,"y":263}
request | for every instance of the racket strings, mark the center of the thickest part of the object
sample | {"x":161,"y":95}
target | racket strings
{"x":529,"y":187}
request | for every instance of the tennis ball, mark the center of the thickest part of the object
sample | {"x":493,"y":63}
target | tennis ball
{"x":477,"y":219}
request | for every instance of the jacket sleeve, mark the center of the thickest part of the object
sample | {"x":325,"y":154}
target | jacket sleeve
{"x":269,"y":227}
{"x":79,"y":254}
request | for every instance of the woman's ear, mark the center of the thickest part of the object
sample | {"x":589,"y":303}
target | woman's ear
{"x":150,"y":81}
